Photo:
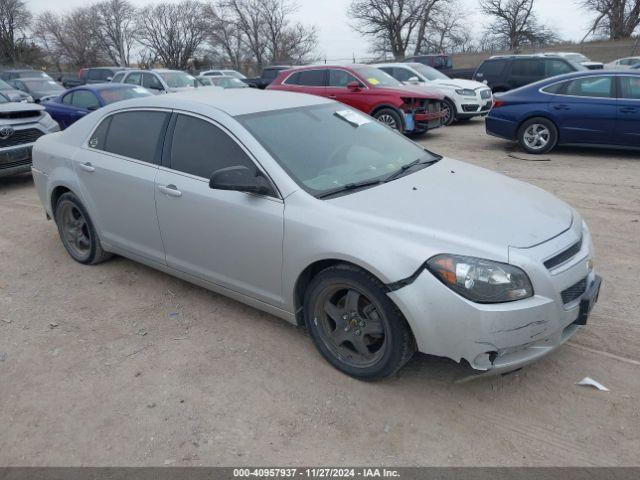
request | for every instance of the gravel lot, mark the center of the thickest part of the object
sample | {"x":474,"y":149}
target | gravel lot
{"x":119,"y":364}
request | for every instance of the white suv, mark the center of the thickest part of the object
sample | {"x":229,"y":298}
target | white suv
{"x":464,"y":99}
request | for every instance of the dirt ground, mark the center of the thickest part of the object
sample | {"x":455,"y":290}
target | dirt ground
{"x":119,"y":364}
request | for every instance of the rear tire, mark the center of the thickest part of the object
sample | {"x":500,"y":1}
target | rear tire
{"x":538,"y":135}
{"x":390,"y":118}
{"x":355,"y":325}
{"x":77,"y":232}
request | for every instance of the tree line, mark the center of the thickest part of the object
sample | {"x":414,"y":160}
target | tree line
{"x":240,"y":34}
{"x":249,"y":34}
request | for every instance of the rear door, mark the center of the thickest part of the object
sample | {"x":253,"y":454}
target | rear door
{"x":586,"y":110}
{"x":117,"y":169}
{"x":627,"y":129}
{"x":229,"y":238}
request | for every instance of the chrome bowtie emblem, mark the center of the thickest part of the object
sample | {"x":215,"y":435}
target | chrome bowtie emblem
{"x":6,"y":132}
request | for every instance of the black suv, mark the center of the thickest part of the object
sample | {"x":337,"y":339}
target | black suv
{"x":507,"y":72}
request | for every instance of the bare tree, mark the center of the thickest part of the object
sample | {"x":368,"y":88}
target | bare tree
{"x":173,"y":32}
{"x":617,"y":19}
{"x":14,"y":22}
{"x":225,"y":39}
{"x":447,"y":29}
{"x":515,"y":24}
{"x":263,"y":31}
{"x":116,"y":29}
{"x":393,"y":25}
{"x":69,"y":38}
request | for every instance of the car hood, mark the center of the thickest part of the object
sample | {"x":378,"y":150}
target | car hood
{"x":460,"y":204}
{"x":20,"y":107}
{"x":458,"y":83}
{"x":413,"y":91}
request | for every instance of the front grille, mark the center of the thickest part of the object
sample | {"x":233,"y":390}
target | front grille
{"x":564,"y":255}
{"x":470,"y":108}
{"x":6,"y":166}
{"x":20,"y":137}
{"x":21,"y":114}
{"x":484,"y":94}
{"x":574,"y":291}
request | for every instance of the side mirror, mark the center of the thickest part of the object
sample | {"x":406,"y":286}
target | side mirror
{"x":240,"y":179}
{"x":109,"y":79}
{"x":353,"y":86}
{"x":413,"y":80}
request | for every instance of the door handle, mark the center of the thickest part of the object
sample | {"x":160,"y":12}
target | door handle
{"x":561,"y":107}
{"x":628,"y":109}
{"x":170,"y":190}
{"x":87,"y":167}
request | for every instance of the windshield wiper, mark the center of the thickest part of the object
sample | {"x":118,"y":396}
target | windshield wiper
{"x":404,"y":168}
{"x":350,"y":186}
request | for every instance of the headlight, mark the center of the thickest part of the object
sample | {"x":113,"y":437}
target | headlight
{"x":48,"y":122}
{"x":479,"y":280}
{"x":466,"y":92}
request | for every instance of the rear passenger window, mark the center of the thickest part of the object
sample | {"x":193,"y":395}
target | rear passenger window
{"x":200,"y":148}
{"x":135,"y":134}
{"x":556,"y":88}
{"x":492,"y":68}
{"x":312,"y":78}
{"x":590,"y":87}
{"x":527,"y":68}
{"x":99,"y":135}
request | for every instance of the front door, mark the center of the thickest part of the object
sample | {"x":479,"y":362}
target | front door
{"x":627,"y":130}
{"x":117,"y":171}
{"x":229,"y":238}
{"x":337,"y":82}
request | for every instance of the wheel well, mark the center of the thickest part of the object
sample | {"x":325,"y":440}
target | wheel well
{"x":55,"y":196}
{"x":305,"y":279}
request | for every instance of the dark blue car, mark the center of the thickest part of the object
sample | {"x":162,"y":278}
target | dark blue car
{"x":582,"y":108}
{"x":78,"y":102}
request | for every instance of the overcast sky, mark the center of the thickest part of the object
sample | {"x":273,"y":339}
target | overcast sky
{"x":339,"y":41}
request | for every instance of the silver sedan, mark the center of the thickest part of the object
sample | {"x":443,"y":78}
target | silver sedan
{"x":316,"y":213}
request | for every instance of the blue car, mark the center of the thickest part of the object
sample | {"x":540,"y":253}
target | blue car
{"x":79,"y":101}
{"x":583,"y":108}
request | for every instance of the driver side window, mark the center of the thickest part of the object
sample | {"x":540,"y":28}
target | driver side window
{"x":341,"y":78}
{"x":200,"y":148}
{"x":84,"y":99}
{"x":151,"y":81}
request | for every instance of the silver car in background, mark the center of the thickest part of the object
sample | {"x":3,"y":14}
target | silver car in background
{"x":316,"y":213}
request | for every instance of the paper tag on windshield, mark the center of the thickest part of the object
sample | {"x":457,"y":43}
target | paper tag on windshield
{"x":352,"y":117}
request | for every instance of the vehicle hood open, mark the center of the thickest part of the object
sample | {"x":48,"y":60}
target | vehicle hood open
{"x":453,"y":200}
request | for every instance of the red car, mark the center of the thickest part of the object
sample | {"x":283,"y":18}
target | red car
{"x":407,"y":109}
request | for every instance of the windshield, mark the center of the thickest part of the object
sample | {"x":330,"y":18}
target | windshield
{"x":5,"y":86}
{"x":428,"y":72}
{"x":341,"y":146}
{"x":177,"y":79}
{"x":233,"y":73}
{"x":376,"y":77}
{"x":112,"y":95}
{"x":41,"y":84}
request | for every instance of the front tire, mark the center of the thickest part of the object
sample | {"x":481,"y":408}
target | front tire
{"x":450,"y":112}
{"x":77,"y":232}
{"x":390,"y":118}
{"x":538,"y":135}
{"x":355,"y":325}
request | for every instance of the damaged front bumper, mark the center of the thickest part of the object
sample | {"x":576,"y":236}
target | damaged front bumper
{"x":502,"y":337}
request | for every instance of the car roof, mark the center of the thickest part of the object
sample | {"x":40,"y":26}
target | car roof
{"x":395,"y":64}
{"x":526,"y":55}
{"x":233,"y":102}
